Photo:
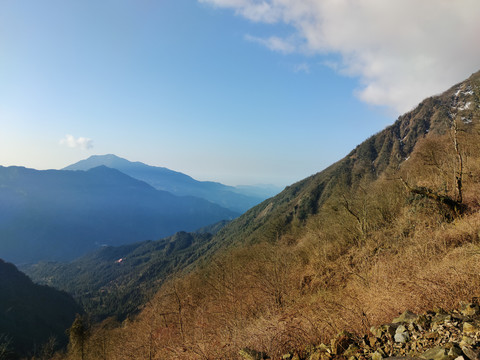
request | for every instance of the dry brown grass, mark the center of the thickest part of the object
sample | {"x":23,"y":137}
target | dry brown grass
{"x":280,"y":298}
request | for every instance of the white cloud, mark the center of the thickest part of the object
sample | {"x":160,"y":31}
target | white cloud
{"x":402,"y":50}
{"x":81,"y":142}
{"x":256,"y":10}
{"x":303,"y":67}
{"x":274,"y":43}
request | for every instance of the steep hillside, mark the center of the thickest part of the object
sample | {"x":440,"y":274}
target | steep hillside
{"x":117,"y":281}
{"x":31,"y":315}
{"x":382,"y":153}
{"x":238,"y":199}
{"x":60,"y":215}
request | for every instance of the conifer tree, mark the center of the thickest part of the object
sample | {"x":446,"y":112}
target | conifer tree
{"x":78,"y":337}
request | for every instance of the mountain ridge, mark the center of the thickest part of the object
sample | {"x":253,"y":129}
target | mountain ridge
{"x":385,"y":150}
{"x":238,"y":199}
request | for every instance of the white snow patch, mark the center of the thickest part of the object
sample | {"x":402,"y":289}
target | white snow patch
{"x":465,"y":106}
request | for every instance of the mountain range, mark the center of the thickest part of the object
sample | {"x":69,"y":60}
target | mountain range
{"x":238,"y":199}
{"x":60,"y":214}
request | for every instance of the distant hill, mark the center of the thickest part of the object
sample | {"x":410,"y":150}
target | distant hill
{"x":238,"y":199}
{"x":118,"y":280}
{"x":60,"y":215}
{"x":31,"y":314}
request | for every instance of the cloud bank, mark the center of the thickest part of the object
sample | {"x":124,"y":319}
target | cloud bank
{"x":80,"y":143}
{"x":401,"y":50}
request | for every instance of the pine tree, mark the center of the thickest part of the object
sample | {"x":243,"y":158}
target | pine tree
{"x":78,"y":337}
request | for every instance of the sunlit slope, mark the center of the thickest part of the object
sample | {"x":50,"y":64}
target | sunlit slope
{"x":383,"y":153}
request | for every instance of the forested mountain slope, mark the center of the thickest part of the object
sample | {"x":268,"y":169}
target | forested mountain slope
{"x":32,"y":317}
{"x":117,"y":281}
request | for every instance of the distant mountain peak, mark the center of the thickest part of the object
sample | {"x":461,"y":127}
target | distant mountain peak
{"x":238,"y":199}
{"x":109,"y":160}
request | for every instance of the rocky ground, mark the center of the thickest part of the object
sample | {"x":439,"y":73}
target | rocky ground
{"x":433,"y":335}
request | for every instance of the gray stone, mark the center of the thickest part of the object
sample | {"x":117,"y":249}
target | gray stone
{"x":469,"y":309}
{"x":467,"y":341}
{"x":436,"y":353}
{"x":406,"y":317}
{"x":470,"y":353}
{"x":455,"y":351}
{"x":469,"y":328}
{"x":352,"y":350}
{"x":378,"y":331}
{"x":441,"y":318}
{"x":402,"y":337}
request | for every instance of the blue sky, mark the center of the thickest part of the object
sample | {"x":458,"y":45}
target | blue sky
{"x":236,"y":91}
